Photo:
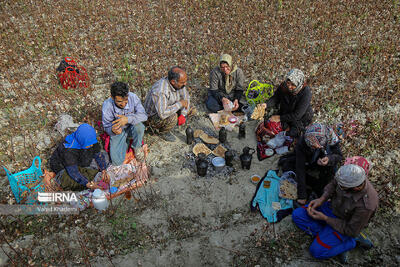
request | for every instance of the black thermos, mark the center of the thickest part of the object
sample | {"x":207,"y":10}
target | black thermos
{"x":189,"y":135}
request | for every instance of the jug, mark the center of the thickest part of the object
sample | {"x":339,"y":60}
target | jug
{"x":201,"y":164}
{"x":242,"y":130}
{"x":189,"y":135}
{"x":246,"y":157}
{"x":229,"y":158}
{"x":99,"y":200}
{"x":222,"y":135}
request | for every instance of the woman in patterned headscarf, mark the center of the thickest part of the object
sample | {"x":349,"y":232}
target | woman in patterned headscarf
{"x":314,"y":160}
{"x":226,"y":85}
{"x":293,"y":97}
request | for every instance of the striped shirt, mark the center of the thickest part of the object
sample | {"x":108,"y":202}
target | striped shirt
{"x":163,"y":99}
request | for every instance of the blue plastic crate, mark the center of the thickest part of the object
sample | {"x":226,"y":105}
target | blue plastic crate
{"x":26,"y":184}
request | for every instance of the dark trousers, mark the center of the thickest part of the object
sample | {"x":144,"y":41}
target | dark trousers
{"x":317,"y":177}
{"x":297,"y":127}
{"x":214,"y":105}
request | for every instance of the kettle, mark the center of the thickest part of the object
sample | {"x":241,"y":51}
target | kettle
{"x":189,"y":135}
{"x":99,"y":200}
{"x":246,"y":157}
{"x":201,"y":164}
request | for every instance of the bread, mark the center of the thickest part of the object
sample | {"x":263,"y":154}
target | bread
{"x":201,"y":148}
{"x":258,"y":113}
{"x":219,"y":151}
{"x":288,"y":190}
{"x":197,"y":133}
{"x":209,"y":139}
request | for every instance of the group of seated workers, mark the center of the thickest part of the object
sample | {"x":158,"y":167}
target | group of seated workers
{"x":346,"y":199}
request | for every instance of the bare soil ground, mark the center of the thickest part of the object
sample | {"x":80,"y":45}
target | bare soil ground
{"x":348,"y":49}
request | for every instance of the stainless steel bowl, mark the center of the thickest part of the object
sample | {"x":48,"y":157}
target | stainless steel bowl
{"x":218,"y":163}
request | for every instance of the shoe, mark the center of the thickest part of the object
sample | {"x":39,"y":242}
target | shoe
{"x":363,"y":241}
{"x":343,"y":257}
{"x":169,"y":137}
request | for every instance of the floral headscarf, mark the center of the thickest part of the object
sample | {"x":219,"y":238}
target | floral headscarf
{"x":320,"y":134}
{"x":228,"y":78}
{"x":296,"y":76}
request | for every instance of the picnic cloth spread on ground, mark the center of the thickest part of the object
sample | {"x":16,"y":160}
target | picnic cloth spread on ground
{"x":216,"y":120}
{"x":267,"y":199}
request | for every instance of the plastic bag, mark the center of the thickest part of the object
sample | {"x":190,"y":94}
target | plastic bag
{"x":277,"y":141}
{"x":228,"y":106}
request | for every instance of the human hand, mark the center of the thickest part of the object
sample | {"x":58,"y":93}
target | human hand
{"x":323,"y":161}
{"x":184,"y":103}
{"x":121,"y":122}
{"x":225,"y":101}
{"x":315,"y":203}
{"x":92,"y":185}
{"x":105,"y":177}
{"x":275,"y":118}
{"x":317,"y":215}
{"x":235,"y":105}
{"x":116,"y":129}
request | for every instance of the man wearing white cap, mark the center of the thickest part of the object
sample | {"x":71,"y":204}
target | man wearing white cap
{"x":336,"y":224}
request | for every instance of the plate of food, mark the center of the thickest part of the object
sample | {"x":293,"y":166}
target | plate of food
{"x":232,"y":119}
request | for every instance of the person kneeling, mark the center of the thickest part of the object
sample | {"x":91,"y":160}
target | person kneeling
{"x":337,"y":224}
{"x":74,"y":155}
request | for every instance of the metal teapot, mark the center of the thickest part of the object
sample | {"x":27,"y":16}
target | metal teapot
{"x":246,"y":157}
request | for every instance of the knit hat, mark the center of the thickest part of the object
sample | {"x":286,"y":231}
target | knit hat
{"x":350,"y":176}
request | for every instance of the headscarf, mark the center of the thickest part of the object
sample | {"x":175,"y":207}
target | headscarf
{"x":296,"y":76}
{"x":83,"y":137}
{"x":321,"y":134}
{"x":228,"y":78}
{"x":350,"y":175}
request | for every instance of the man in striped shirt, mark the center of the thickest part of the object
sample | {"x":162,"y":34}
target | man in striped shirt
{"x":167,"y":103}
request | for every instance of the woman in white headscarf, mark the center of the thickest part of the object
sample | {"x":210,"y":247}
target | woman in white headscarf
{"x":293,"y":97}
{"x":226,"y":85}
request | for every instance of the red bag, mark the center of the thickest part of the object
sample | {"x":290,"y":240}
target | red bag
{"x":71,"y":75}
{"x":267,"y":128}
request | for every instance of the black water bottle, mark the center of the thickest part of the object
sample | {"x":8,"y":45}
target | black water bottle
{"x":222,"y":135}
{"x":189,"y":135}
{"x":242,"y":130}
{"x":229,"y":158}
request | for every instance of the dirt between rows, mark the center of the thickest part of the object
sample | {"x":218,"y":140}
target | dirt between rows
{"x":223,"y":232}
{"x":189,"y":220}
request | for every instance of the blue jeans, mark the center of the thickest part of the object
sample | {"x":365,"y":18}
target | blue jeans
{"x":119,"y":143}
{"x":328,"y":242}
{"x":213,"y":104}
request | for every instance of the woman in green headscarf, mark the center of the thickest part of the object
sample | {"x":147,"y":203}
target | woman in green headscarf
{"x":226,"y":85}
